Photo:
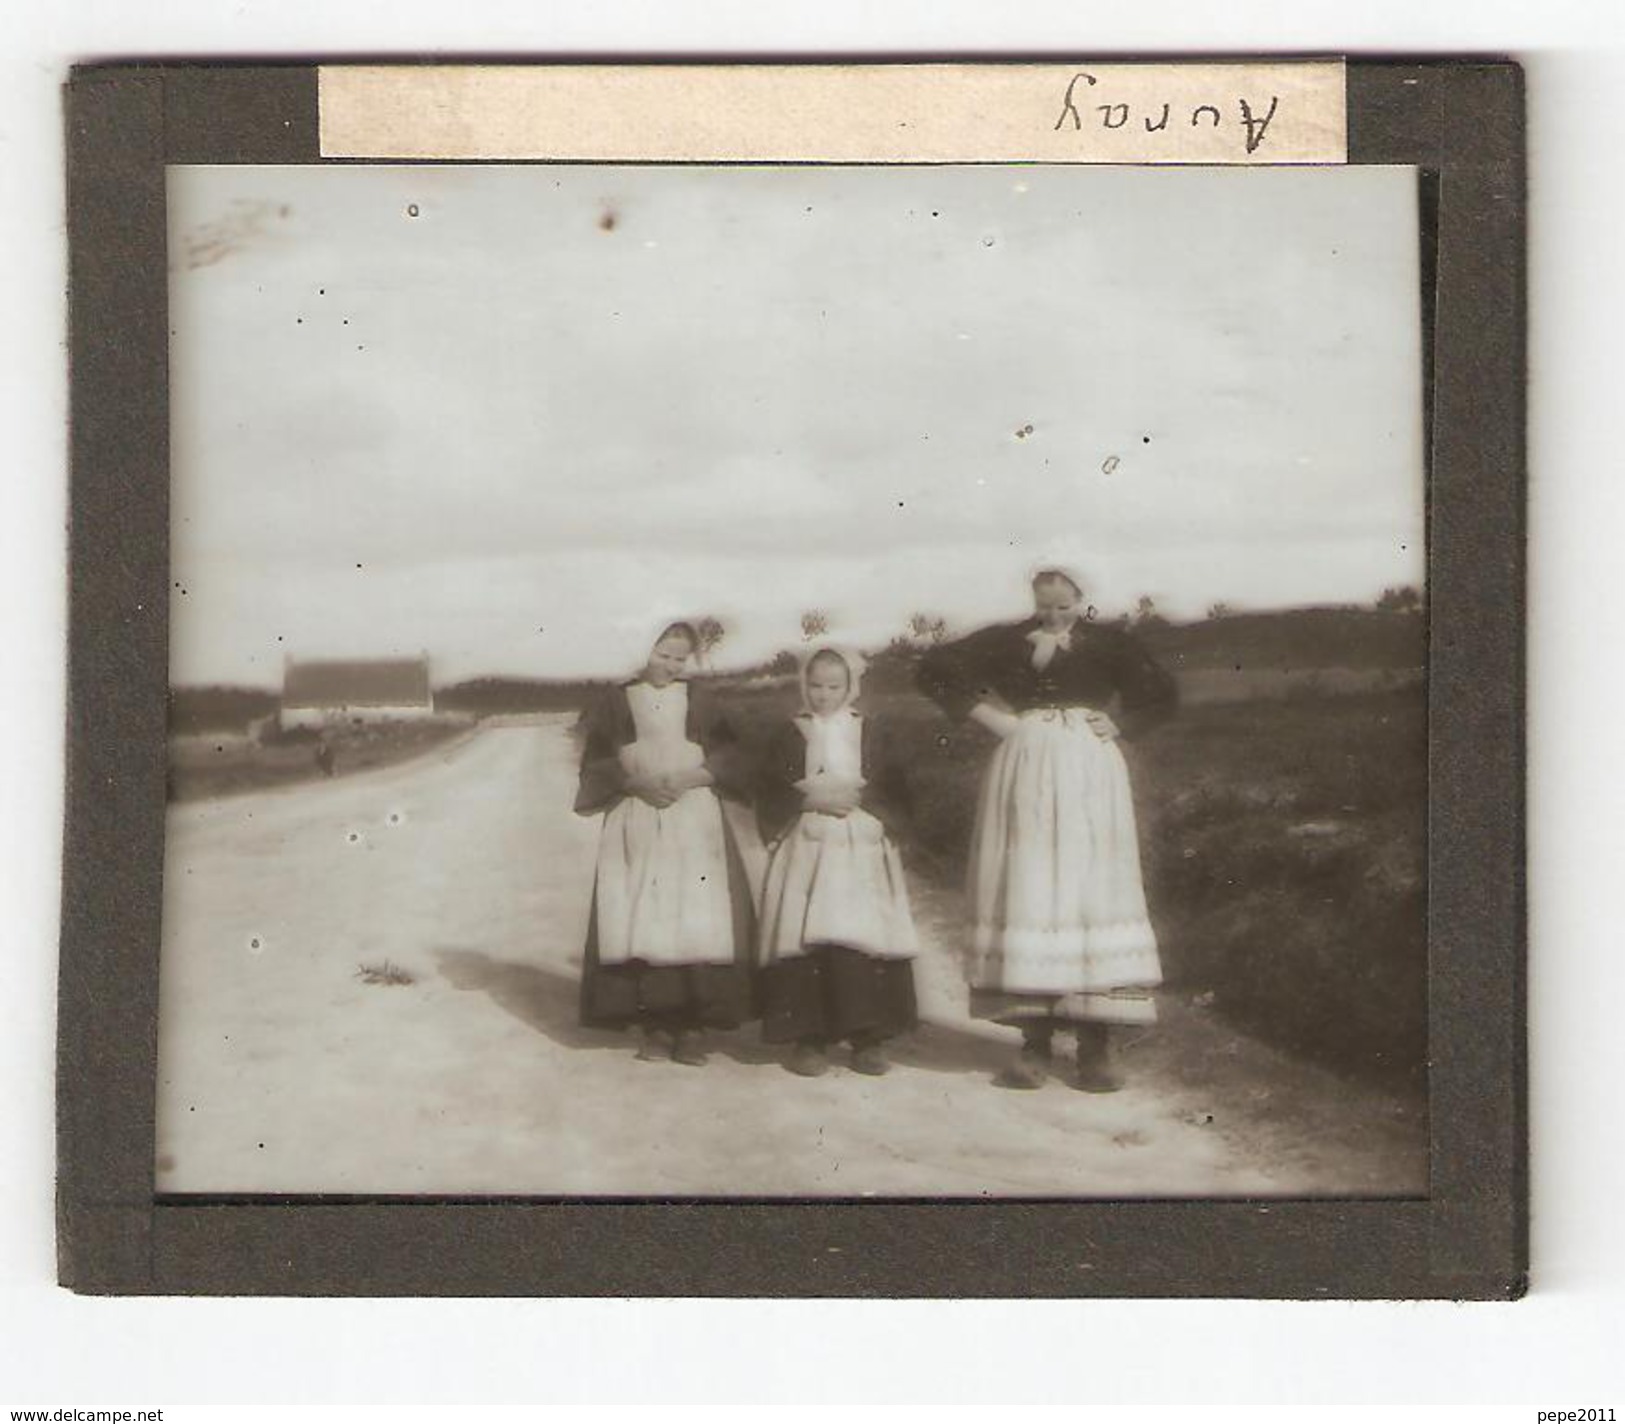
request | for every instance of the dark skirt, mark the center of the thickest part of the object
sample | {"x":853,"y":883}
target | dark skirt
{"x":669,"y":996}
{"x":833,"y":993}
{"x":674,"y":996}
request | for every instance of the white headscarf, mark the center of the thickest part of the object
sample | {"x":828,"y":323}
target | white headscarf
{"x":834,"y":740}
{"x":1067,"y":570}
{"x":1047,"y":644}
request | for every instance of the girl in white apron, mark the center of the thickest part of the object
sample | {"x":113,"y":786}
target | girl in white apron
{"x":837,"y":938}
{"x":669,"y":941}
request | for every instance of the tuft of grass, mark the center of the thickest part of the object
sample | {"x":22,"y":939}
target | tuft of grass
{"x":385,"y":973}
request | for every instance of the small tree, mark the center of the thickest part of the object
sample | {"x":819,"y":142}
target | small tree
{"x":1402,"y":599}
{"x":1219,"y":610}
{"x":814,"y":624}
{"x":927,"y":631}
{"x":1145,"y":613}
{"x":711,"y":632}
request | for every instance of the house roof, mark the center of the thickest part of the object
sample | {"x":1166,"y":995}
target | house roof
{"x":383,"y":682}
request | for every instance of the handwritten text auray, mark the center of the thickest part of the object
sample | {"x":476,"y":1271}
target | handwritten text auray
{"x":1118,"y":115}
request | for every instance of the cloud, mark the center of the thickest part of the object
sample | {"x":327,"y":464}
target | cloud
{"x":765,"y":385}
{"x":244,"y":224}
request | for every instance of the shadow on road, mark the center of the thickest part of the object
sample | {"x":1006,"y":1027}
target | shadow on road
{"x":537,"y":997}
{"x":548,"y":1002}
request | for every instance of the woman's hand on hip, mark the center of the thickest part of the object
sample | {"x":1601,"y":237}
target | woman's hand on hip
{"x":1101,"y":725}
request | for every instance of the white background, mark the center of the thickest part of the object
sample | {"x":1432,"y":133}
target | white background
{"x":1559,"y":1348}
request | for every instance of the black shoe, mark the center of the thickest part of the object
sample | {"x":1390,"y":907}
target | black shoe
{"x":808,"y":1061}
{"x":870,"y":1060}
{"x":1032,"y":1066}
{"x":654,"y":1045}
{"x":685,"y":1049}
{"x":1030,"y":1069}
{"x":1096,"y":1074}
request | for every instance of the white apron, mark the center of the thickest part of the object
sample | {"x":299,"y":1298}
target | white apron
{"x":835,"y":879}
{"x":662,"y":887}
{"x":1056,"y":897}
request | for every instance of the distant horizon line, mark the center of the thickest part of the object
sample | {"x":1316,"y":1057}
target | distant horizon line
{"x":753,"y":665}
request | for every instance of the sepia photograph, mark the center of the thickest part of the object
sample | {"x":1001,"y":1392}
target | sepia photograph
{"x":796,"y":681}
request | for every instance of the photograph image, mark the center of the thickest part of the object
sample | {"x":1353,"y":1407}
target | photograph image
{"x":796,"y":681}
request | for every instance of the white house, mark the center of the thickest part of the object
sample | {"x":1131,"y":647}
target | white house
{"x":323,"y":693}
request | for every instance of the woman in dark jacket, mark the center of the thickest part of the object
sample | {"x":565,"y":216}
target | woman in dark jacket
{"x":1060,"y":934}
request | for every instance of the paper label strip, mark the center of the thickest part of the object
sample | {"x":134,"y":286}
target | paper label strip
{"x":1194,"y":113}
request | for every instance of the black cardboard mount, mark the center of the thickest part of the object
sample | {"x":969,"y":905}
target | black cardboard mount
{"x":1462,"y":124}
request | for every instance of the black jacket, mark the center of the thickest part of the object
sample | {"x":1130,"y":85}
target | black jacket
{"x":607,"y":726}
{"x":1102,"y":663}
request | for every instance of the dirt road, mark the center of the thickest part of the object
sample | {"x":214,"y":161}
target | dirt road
{"x":283,"y":1070}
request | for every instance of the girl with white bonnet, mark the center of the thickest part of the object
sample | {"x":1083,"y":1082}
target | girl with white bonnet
{"x":670,"y":939}
{"x":1060,"y":934}
{"x":837,"y":938}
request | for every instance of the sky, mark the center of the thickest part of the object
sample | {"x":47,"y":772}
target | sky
{"x":521,"y":417}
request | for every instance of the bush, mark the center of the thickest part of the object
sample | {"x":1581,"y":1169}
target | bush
{"x":1285,"y":863}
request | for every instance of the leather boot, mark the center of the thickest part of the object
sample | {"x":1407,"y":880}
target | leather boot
{"x":685,"y":1049}
{"x":1096,"y":1072}
{"x":810,"y":1059}
{"x":1031,"y":1066}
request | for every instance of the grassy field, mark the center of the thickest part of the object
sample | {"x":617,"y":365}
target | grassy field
{"x":204,"y":764}
{"x":1285,"y":853}
{"x":1293,"y":640}
{"x":1283,"y":844}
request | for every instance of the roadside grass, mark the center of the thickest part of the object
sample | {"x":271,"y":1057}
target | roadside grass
{"x":230,"y":763}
